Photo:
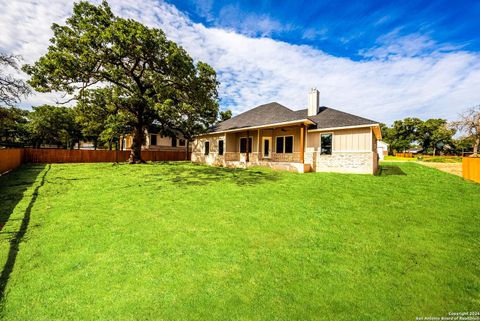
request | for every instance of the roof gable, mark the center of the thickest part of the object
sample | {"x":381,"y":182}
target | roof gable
{"x":332,"y":118}
{"x":270,"y":113}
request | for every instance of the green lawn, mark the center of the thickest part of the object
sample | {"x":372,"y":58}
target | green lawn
{"x":191,"y":242}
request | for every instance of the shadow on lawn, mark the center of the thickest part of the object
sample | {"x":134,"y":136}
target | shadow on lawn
{"x":390,"y":170}
{"x":12,"y":189}
{"x":203,"y":175}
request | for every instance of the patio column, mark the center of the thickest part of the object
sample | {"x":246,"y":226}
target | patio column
{"x":225,"y":149}
{"x":302,"y":143}
{"x":258,"y":145}
{"x":247,"y":158}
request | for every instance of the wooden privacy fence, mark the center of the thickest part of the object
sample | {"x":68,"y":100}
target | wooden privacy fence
{"x":406,"y":155}
{"x":12,"y":158}
{"x":471,"y":168}
{"x":96,"y":156}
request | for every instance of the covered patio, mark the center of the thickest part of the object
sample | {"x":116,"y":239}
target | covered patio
{"x":271,"y":146}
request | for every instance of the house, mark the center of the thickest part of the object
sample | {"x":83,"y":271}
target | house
{"x":155,"y":141}
{"x":416,"y":150}
{"x":382,"y":149}
{"x":319,"y":139}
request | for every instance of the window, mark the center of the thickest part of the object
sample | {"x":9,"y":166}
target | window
{"x":284,"y":144}
{"x":220,"y":147}
{"x":153,"y":140}
{"x":243,"y":144}
{"x":280,"y":144}
{"x":174,"y":141}
{"x":207,"y":148}
{"x":289,"y":144}
{"x":326,"y":144}
{"x":181,"y":142}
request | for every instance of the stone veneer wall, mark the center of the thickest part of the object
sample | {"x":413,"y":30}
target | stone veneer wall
{"x":343,"y":162}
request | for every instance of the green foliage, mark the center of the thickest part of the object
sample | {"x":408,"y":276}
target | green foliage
{"x":402,"y":134}
{"x":54,"y":126}
{"x":178,"y":241}
{"x":151,"y":78}
{"x":116,"y":127}
{"x":225,"y":115}
{"x":101,"y":119}
{"x":434,"y":134}
{"x":13,"y":126}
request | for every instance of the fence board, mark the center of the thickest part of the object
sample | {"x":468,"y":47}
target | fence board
{"x":406,"y":155}
{"x":471,"y":168}
{"x":10,"y":159}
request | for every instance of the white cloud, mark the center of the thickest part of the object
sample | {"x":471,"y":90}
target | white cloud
{"x":415,"y":81}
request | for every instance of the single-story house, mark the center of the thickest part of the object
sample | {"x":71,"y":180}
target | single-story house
{"x":382,"y":149}
{"x":318,"y":139}
{"x":416,"y":150}
{"x":155,"y":141}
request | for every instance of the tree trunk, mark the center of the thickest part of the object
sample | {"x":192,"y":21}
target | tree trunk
{"x":136,"y":152}
{"x":475,"y":146}
{"x":186,"y":149}
{"x":433,"y":151}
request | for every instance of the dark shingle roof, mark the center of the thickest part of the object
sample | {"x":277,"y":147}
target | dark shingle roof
{"x":270,"y":113}
{"x":273,"y":113}
{"x":331,"y":118}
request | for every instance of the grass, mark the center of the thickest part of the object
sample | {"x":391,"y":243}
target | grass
{"x":180,"y":241}
{"x":396,"y":158}
{"x":442,"y":159}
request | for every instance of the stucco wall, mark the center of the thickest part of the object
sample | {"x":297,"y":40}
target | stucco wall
{"x":198,"y":150}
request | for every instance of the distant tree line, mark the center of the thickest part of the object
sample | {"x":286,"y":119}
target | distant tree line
{"x":67,"y":127}
{"x":435,"y":136}
{"x":62,"y":127}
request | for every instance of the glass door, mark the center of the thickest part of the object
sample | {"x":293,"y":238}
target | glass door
{"x":267,"y":145}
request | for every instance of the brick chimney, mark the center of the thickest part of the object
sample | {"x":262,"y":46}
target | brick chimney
{"x":313,"y":102}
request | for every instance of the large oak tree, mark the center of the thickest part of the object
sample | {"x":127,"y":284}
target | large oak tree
{"x":151,"y":77}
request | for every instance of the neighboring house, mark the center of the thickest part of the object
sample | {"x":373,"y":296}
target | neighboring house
{"x":155,"y":141}
{"x":382,"y":149}
{"x":319,"y":139}
{"x":417,"y":150}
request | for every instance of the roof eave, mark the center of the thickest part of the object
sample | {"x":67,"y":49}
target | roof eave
{"x":305,"y":121}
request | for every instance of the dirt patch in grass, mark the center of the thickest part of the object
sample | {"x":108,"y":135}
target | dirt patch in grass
{"x":452,"y":168}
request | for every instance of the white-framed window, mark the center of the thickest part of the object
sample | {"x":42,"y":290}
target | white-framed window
{"x":326,"y":143}
{"x":284,"y":144}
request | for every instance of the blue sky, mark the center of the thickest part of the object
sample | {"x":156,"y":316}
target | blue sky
{"x":377,"y":59}
{"x":343,"y":28}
